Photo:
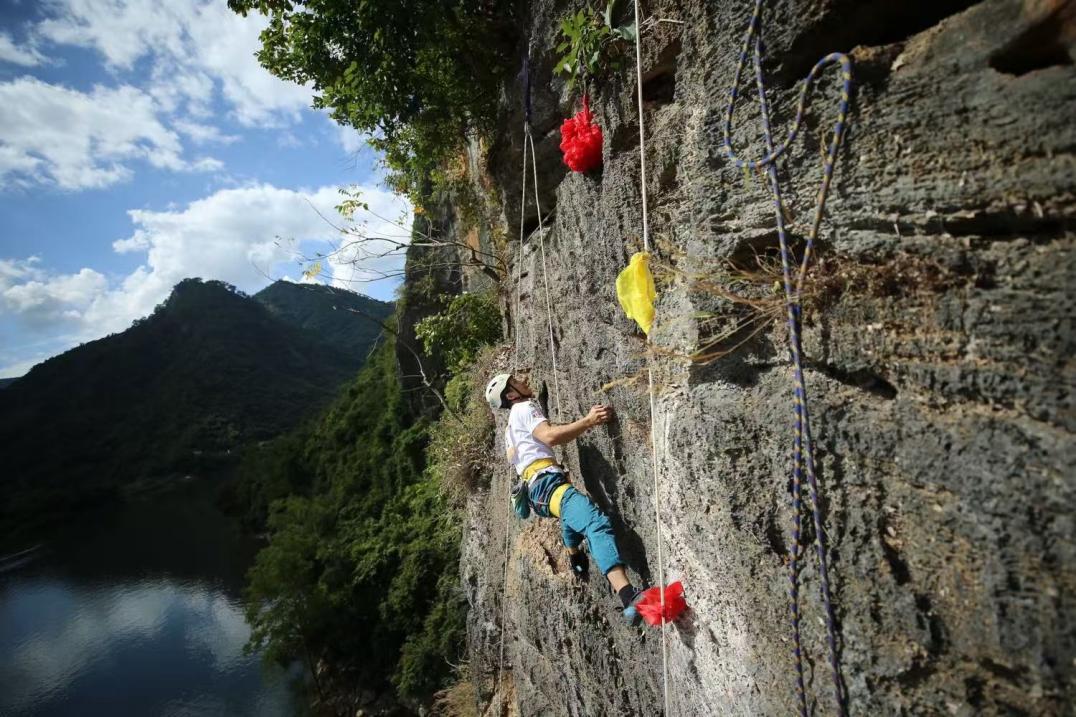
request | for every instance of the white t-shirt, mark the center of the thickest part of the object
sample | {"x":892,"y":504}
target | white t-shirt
{"x":523,"y":448}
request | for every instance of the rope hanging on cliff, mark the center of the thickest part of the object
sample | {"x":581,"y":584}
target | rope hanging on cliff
{"x":515,"y":349}
{"x":802,"y":451}
{"x":545,"y":276}
{"x":528,"y":142}
{"x":650,"y":369}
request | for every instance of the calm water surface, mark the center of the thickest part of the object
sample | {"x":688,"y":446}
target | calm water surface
{"x":136,"y":611}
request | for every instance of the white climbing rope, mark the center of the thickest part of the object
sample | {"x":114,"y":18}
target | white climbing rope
{"x":545,"y":277}
{"x":528,"y":139}
{"x":519,"y":258}
{"x":515,"y":365}
{"x":650,"y":369}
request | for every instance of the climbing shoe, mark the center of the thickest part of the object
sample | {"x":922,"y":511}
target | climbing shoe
{"x":631,"y":614}
{"x":579,"y":564}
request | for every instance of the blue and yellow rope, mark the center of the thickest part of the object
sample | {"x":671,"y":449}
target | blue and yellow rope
{"x":802,"y":450}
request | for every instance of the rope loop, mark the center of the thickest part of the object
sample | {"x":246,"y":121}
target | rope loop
{"x":834,"y":58}
{"x":802,"y":444}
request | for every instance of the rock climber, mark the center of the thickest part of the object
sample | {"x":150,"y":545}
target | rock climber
{"x":544,"y":487}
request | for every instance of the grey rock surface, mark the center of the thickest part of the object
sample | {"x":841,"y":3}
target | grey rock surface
{"x":940,"y":373}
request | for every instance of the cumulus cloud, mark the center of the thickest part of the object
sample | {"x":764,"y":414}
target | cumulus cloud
{"x":14,"y":271}
{"x":245,"y":236}
{"x":26,"y":56}
{"x":56,"y":298}
{"x":203,"y":133}
{"x":79,"y":140}
{"x":192,"y":46}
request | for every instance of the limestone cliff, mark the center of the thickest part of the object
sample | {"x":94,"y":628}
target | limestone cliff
{"x":939,"y":344}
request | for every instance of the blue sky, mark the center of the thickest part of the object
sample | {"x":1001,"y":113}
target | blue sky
{"x":141,"y":143}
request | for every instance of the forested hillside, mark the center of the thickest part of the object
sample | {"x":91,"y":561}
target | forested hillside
{"x":178,"y":393}
{"x":349,"y":321}
{"x":360,"y":576}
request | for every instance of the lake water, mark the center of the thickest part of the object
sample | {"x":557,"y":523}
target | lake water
{"x":135,"y":611}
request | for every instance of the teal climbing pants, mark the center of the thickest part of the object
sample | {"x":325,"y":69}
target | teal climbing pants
{"x":579,"y":519}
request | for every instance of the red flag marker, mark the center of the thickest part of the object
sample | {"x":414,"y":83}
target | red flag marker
{"x":581,"y":140}
{"x":650,"y":604}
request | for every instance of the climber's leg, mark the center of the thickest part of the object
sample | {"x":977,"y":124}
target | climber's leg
{"x":572,"y":538}
{"x":580,"y":516}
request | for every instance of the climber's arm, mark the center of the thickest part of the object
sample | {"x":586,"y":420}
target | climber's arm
{"x":552,"y":435}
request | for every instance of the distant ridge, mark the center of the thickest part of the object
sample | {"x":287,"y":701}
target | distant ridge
{"x":343,"y":318}
{"x":177,"y":392}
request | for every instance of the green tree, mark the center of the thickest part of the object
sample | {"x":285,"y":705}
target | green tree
{"x":469,"y":322}
{"x":359,"y":551}
{"x":416,"y":75}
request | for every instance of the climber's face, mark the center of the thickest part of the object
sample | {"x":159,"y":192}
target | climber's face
{"x":518,"y":388}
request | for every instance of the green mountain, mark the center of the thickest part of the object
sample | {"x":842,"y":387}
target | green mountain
{"x":211,"y":369}
{"x":343,"y":318}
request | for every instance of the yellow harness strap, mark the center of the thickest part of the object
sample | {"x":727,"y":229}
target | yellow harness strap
{"x":555,"y":499}
{"x":539,"y":465}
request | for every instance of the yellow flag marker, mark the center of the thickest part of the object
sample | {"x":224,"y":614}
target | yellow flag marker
{"x":635,"y":289}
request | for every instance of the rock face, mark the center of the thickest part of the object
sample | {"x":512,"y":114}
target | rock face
{"x":939,"y":348}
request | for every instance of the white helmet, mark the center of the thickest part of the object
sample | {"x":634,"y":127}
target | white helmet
{"x":495,"y":391}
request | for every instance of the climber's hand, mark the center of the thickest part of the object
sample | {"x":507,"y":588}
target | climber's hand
{"x":599,"y":414}
{"x":579,"y":563}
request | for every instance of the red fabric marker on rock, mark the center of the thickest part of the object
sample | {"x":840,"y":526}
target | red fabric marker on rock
{"x":581,"y":140}
{"x":649,"y":606}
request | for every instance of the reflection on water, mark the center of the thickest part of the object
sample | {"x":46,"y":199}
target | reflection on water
{"x":98,"y":623}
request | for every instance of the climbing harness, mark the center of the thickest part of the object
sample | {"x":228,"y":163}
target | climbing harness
{"x":802,"y":448}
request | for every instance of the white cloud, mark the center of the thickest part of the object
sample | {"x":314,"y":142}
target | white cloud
{"x":15,"y":368}
{"x":245,"y":236}
{"x":207,"y":164}
{"x":79,"y":140}
{"x":13,"y":271}
{"x":43,"y":300}
{"x":177,"y":62}
{"x":26,"y":56}
{"x":193,"y":46}
{"x":203,"y":133}
{"x":350,"y":139}
{"x":55,"y":298}
{"x":288,"y":140}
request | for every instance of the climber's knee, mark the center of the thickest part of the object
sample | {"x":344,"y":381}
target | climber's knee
{"x":572,"y":539}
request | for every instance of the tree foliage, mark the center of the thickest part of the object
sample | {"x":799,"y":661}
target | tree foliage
{"x":359,"y":539}
{"x":361,"y":569}
{"x":469,"y":322}
{"x":349,"y":321}
{"x":591,"y":42}
{"x":414,"y":74}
